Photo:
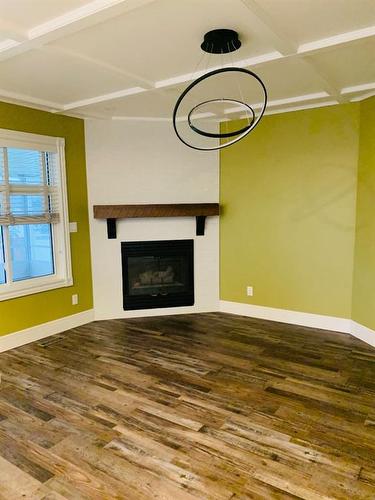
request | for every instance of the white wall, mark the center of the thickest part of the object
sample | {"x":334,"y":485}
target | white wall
{"x":132,"y":162}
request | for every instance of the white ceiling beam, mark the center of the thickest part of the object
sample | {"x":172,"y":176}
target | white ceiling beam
{"x":87,"y":115}
{"x":103,"y":98}
{"x":243,"y":63}
{"x":336,"y":41}
{"x":7,"y":44}
{"x":299,"y":98}
{"x":300,"y":108}
{"x":362,"y":97}
{"x":140,"y":119}
{"x":281,"y":102}
{"x":75,"y":20}
{"x":358,"y":88}
{"x":277,"y":37}
{"x":109,"y":97}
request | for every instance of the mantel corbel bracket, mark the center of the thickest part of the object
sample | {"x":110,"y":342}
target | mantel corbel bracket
{"x":112,"y":229}
{"x":200,"y":225}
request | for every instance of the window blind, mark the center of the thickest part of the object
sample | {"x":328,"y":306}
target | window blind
{"x":29,"y":186}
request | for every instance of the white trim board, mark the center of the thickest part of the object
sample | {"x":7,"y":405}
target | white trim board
{"x":38,"y":332}
{"x":363,"y":333}
{"x":322,"y":322}
{"x":285,"y":316}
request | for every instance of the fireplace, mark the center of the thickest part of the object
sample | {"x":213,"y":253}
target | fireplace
{"x":157,"y":274}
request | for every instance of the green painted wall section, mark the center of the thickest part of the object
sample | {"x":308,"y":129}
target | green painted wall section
{"x":288,"y":193}
{"x":364,"y":258}
{"x":25,"y":312}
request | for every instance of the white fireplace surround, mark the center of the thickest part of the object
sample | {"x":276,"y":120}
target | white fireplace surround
{"x":140,"y":163}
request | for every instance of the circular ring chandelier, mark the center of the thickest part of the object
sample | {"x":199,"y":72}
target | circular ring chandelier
{"x":219,"y":41}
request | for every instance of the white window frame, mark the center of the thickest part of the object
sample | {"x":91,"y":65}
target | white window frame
{"x":62,"y":276}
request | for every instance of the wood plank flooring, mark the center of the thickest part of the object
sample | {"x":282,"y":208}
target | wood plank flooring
{"x":207,"y":406}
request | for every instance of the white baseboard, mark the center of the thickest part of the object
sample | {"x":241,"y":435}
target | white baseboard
{"x":363,"y":333}
{"x":38,"y":332}
{"x":332,"y":323}
{"x":342,"y":325}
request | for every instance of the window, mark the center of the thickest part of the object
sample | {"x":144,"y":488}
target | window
{"x":34,"y":229}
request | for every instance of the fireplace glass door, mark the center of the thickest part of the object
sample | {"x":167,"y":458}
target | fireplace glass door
{"x":157,"y":274}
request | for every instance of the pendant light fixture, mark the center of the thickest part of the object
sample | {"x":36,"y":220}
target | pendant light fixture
{"x":196,"y":119}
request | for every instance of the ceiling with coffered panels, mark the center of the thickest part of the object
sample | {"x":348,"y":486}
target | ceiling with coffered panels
{"x":130,"y":59}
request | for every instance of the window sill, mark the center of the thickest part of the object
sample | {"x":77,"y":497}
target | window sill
{"x":42,"y":285}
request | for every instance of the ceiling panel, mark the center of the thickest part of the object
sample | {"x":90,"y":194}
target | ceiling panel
{"x":289,"y":77}
{"x":57,"y":78}
{"x":27,"y":14}
{"x":163,"y":39}
{"x":308,"y":20}
{"x":349,"y":65}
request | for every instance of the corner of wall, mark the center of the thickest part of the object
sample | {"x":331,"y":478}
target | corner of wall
{"x":363,"y":296}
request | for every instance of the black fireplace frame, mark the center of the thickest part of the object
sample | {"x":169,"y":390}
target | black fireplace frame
{"x":159,"y":248}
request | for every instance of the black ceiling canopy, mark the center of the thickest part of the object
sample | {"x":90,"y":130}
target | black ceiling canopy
{"x":221,"y":41}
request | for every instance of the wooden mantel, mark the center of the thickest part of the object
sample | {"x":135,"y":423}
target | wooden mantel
{"x":113,"y":212}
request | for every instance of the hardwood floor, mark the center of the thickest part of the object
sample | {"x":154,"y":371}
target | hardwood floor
{"x":208,"y":406}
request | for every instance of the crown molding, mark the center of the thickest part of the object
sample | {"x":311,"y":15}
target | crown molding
{"x":29,"y":101}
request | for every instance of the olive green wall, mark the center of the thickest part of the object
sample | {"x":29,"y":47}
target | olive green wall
{"x":288,"y":193}
{"x":364,"y":258}
{"x":25,"y":312}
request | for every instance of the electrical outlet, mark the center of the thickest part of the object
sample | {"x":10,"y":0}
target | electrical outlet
{"x":74,"y":299}
{"x":73,"y":227}
{"x":249,"y":291}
